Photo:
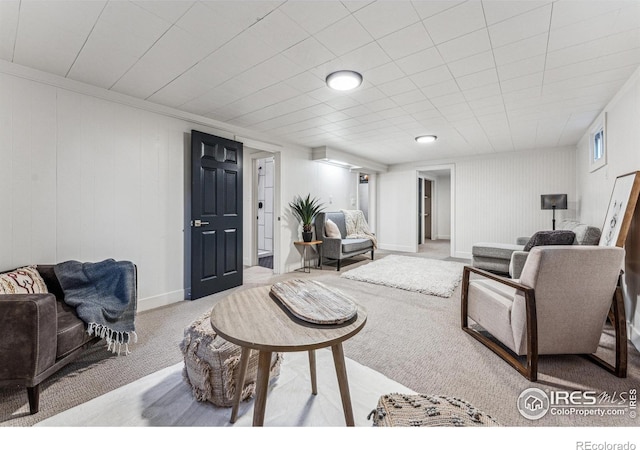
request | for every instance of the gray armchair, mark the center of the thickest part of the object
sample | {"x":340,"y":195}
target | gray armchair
{"x":559,"y":306}
{"x":339,"y":248}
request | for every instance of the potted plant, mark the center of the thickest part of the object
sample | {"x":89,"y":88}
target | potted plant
{"x":305,"y":210}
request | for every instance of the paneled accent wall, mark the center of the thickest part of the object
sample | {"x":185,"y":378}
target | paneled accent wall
{"x":498,"y":197}
{"x":88,"y":179}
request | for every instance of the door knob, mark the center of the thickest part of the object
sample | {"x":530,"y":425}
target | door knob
{"x":198,"y":223}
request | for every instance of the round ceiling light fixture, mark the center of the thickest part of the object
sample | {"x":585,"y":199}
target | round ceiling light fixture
{"x":344,"y":80}
{"x":426,"y":139}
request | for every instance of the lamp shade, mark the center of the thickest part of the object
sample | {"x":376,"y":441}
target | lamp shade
{"x":553,"y":201}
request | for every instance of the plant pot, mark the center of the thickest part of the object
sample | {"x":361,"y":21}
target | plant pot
{"x":307,"y":236}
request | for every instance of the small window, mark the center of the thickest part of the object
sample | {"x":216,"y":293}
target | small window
{"x":597,"y":144}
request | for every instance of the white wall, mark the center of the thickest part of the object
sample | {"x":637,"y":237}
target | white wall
{"x":88,"y":174}
{"x":497,"y":197}
{"x":594,"y":188}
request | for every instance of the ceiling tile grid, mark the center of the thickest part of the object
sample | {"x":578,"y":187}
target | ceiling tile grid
{"x":485,"y":76}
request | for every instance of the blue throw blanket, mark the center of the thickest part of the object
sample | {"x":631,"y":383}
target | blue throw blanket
{"x":104,"y":295}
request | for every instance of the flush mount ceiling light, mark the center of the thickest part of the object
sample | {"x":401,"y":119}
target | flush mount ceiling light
{"x":344,"y":80}
{"x":426,"y":139}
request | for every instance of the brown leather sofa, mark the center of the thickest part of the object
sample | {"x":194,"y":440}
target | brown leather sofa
{"x":39,"y":334}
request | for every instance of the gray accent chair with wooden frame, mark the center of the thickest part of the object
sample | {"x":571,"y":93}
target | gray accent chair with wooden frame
{"x":559,"y":306}
{"x":339,"y":248}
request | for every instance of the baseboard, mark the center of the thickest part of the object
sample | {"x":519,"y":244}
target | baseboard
{"x":168,"y":298}
{"x":634,"y":335}
{"x":463,"y":255}
{"x":443,"y":236}
{"x":397,"y":248}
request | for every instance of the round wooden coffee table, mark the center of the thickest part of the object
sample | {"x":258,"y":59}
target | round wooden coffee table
{"x":254,"y":320}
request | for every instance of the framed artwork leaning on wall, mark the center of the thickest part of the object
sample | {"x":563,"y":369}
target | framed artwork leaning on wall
{"x":620,"y":211}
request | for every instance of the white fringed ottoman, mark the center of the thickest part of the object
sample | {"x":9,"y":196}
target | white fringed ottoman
{"x":420,"y":410}
{"x":211,"y":364}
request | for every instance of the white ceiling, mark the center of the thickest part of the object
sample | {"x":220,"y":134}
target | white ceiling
{"x":485,"y":76}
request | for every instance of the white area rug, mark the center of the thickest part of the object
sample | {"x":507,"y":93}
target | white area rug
{"x":428,"y":276}
{"x":163,"y":399}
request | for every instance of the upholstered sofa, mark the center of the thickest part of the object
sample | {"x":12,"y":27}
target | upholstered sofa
{"x":339,"y":248}
{"x":39,"y":334}
{"x":510,"y":258}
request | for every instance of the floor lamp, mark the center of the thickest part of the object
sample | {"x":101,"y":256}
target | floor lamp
{"x":553,"y":202}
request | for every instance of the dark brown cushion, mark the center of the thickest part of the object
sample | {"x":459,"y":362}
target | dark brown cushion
{"x":552,"y":237}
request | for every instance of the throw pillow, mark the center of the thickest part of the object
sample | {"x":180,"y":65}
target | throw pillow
{"x":331,"y":230}
{"x":25,"y":280}
{"x":555,"y":237}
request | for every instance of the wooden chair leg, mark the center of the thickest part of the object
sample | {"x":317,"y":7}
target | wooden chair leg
{"x":530,"y":370}
{"x":34,"y":398}
{"x":619,"y":322}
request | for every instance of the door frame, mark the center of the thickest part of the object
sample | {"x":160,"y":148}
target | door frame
{"x":452,"y":170}
{"x":434,"y":208}
{"x":252,"y":232}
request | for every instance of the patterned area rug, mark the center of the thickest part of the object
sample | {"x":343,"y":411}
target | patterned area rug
{"x":427,"y":276}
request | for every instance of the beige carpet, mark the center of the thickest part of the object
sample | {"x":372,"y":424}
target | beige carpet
{"x":411,"y":338}
{"x":145,"y":402}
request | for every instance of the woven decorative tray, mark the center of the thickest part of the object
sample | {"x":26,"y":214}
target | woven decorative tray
{"x":315,"y":302}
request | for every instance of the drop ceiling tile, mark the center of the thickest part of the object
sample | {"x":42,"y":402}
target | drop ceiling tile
{"x":168,"y":10}
{"x":381,"y":105}
{"x":384,"y":74}
{"x":142,"y":80}
{"x":278,"y":31}
{"x":465,"y":46}
{"x":477,"y":93}
{"x":431,"y":76}
{"x":420,"y":61}
{"x":355,"y":5}
{"x":472,"y":64}
{"x":581,"y":32}
{"x":335,"y":116}
{"x":308,"y":53}
{"x":435,"y":92}
{"x":215,"y":24}
{"x":520,"y":27}
{"x":569,"y":13}
{"x":218,"y":97}
{"x":45,"y":48}
{"x":269,"y":72}
{"x":180,"y":91}
{"x":397,"y":86}
{"x":499,"y":10}
{"x":477,"y":79}
{"x":485,"y":110}
{"x":525,"y":82}
{"x":305,"y":82}
{"x":383,"y":18}
{"x":420,"y":106}
{"x":448,"y":99}
{"x":517,"y":51}
{"x":341,"y":103}
{"x":367,"y":95}
{"x":314,"y":16}
{"x":8,"y":26}
{"x":344,"y":36}
{"x":241,"y":53}
{"x":411,"y":39}
{"x":100,"y":67}
{"x":522,"y":68}
{"x":455,"y":22}
{"x":431,"y":8}
{"x":407,"y":98}
{"x":175,"y":51}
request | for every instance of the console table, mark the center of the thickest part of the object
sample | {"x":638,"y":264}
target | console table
{"x":254,"y":320}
